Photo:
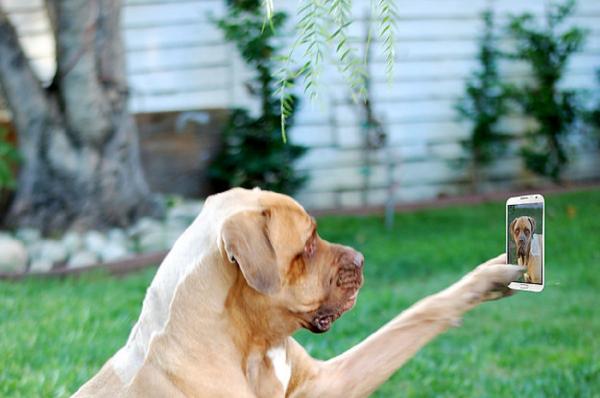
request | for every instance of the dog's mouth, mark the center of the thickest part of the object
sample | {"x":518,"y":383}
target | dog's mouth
{"x":522,"y":249}
{"x":324,"y":317}
{"x":343,"y":287}
{"x":321,"y":323}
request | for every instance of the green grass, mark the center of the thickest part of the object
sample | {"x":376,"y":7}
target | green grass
{"x":55,"y":334}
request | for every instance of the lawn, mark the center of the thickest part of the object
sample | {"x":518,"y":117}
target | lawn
{"x":55,"y":334}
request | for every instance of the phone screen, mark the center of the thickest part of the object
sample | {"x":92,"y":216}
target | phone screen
{"x":525,"y":226}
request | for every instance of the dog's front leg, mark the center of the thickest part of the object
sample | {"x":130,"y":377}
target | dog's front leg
{"x":363,"y":368}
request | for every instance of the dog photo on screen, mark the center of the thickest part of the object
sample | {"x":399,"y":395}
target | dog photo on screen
{"x":525,"y":239}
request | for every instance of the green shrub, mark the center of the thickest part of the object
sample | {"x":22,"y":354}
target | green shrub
{"x":547,"y":50}
{"x":253,"y":151}
{"x":483,"y":104}
{"x":593,"y":117}
{"x":9,"y":157}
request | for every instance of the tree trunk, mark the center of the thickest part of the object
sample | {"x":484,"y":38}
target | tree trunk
{"x":81,"y":165}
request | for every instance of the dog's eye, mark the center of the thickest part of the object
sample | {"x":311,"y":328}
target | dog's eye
{"x":310,"y":247}
{"x":517,"y":230}
{"x":527,"y":232}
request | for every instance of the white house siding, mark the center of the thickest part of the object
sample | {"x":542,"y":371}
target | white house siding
{"x":177,"y":60}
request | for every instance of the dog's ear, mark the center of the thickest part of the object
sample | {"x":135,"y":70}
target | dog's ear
{"x":512,"y":226}
{"x":245,"y":237}
{"x":532,"y":222}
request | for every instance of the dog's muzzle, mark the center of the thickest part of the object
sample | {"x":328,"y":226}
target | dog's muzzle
{"x":348,"y":281}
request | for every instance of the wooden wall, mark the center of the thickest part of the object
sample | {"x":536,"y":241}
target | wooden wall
{"x":177,"y":60}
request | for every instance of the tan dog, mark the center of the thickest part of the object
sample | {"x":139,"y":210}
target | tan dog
{"x":522,"y":230}
{"x":251,"y":270}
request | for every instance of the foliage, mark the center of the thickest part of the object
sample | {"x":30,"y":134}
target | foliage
{"x":593,"y":116}
{"x":326,"y":23}
{"x":484,"y":104}
{"x":57,"y":333}
{"x":253,"y":153}
{"x":547,"y":50}
{"x":388,"y":15}
{"x":8,"y":158}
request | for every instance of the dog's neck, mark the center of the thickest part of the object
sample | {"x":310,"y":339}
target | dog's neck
{"x":186,"y":280}
{"x":229,"y":322}
{"x":196,"y":294}
{"x":247,"y":310}
{"x":524,"y":259}
{"x":259,"y":331}
{"x":211,"y":298}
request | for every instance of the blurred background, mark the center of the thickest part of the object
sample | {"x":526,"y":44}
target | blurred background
{"x":118,"y":118}
{"x":183,"y":76}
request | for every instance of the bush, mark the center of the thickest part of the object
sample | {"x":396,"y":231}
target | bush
{"x":8,"y":160}
{"x":254,"y":152}
{"x":547,"y":50}
{"x":483,"y":104}
{"x":593,"y":117}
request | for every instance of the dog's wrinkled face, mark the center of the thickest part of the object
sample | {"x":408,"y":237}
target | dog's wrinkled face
{"x":522,"y":229}
{"x":281,"y":255}
{"x":324,"y":279}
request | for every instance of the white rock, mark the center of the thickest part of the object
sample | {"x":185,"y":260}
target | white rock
{"x":28,"y":235}
{"x":113,"y":251}
{"x":13,"y":255}
{"x":173,"y":230}
{"x":40,"y":265}
{"x":95,"y":242}
{"x":50,"y":250}
{"x":144,"y":226}
{"x":117,"y":235}
{"x":153,"y":241}
{"x":72,"y":242}
{"x":82,"y":259}
{"x":176,"y":225}
{"x":185,"y":212}
{"x":148,"y":235}
{"x":170,"y":239}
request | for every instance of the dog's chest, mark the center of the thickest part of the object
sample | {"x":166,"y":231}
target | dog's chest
{"x":269,"y":374}
{"x":280,"y":365}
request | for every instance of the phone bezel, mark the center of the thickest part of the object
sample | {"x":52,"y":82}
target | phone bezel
{"x":524,"y":199}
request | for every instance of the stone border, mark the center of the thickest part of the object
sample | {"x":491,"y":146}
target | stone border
{"x":120,"y":267}
{"x":27,"y":250}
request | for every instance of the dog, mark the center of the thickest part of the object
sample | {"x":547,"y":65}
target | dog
{"x":529,"y":247}
{"x":218,"y":316}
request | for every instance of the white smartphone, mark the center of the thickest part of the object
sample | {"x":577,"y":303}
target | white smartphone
{"x":525,"y":225}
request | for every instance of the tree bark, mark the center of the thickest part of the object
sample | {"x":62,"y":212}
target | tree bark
{"x":81,"y":165}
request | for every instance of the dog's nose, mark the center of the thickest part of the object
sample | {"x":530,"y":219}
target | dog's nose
{"x":359,"y":260}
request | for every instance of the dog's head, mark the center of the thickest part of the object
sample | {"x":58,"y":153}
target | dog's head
{"x":275,"y":244}
{"x":522,"y":229}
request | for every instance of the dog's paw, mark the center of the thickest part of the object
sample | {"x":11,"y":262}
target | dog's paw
{"x":490,"y":281}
